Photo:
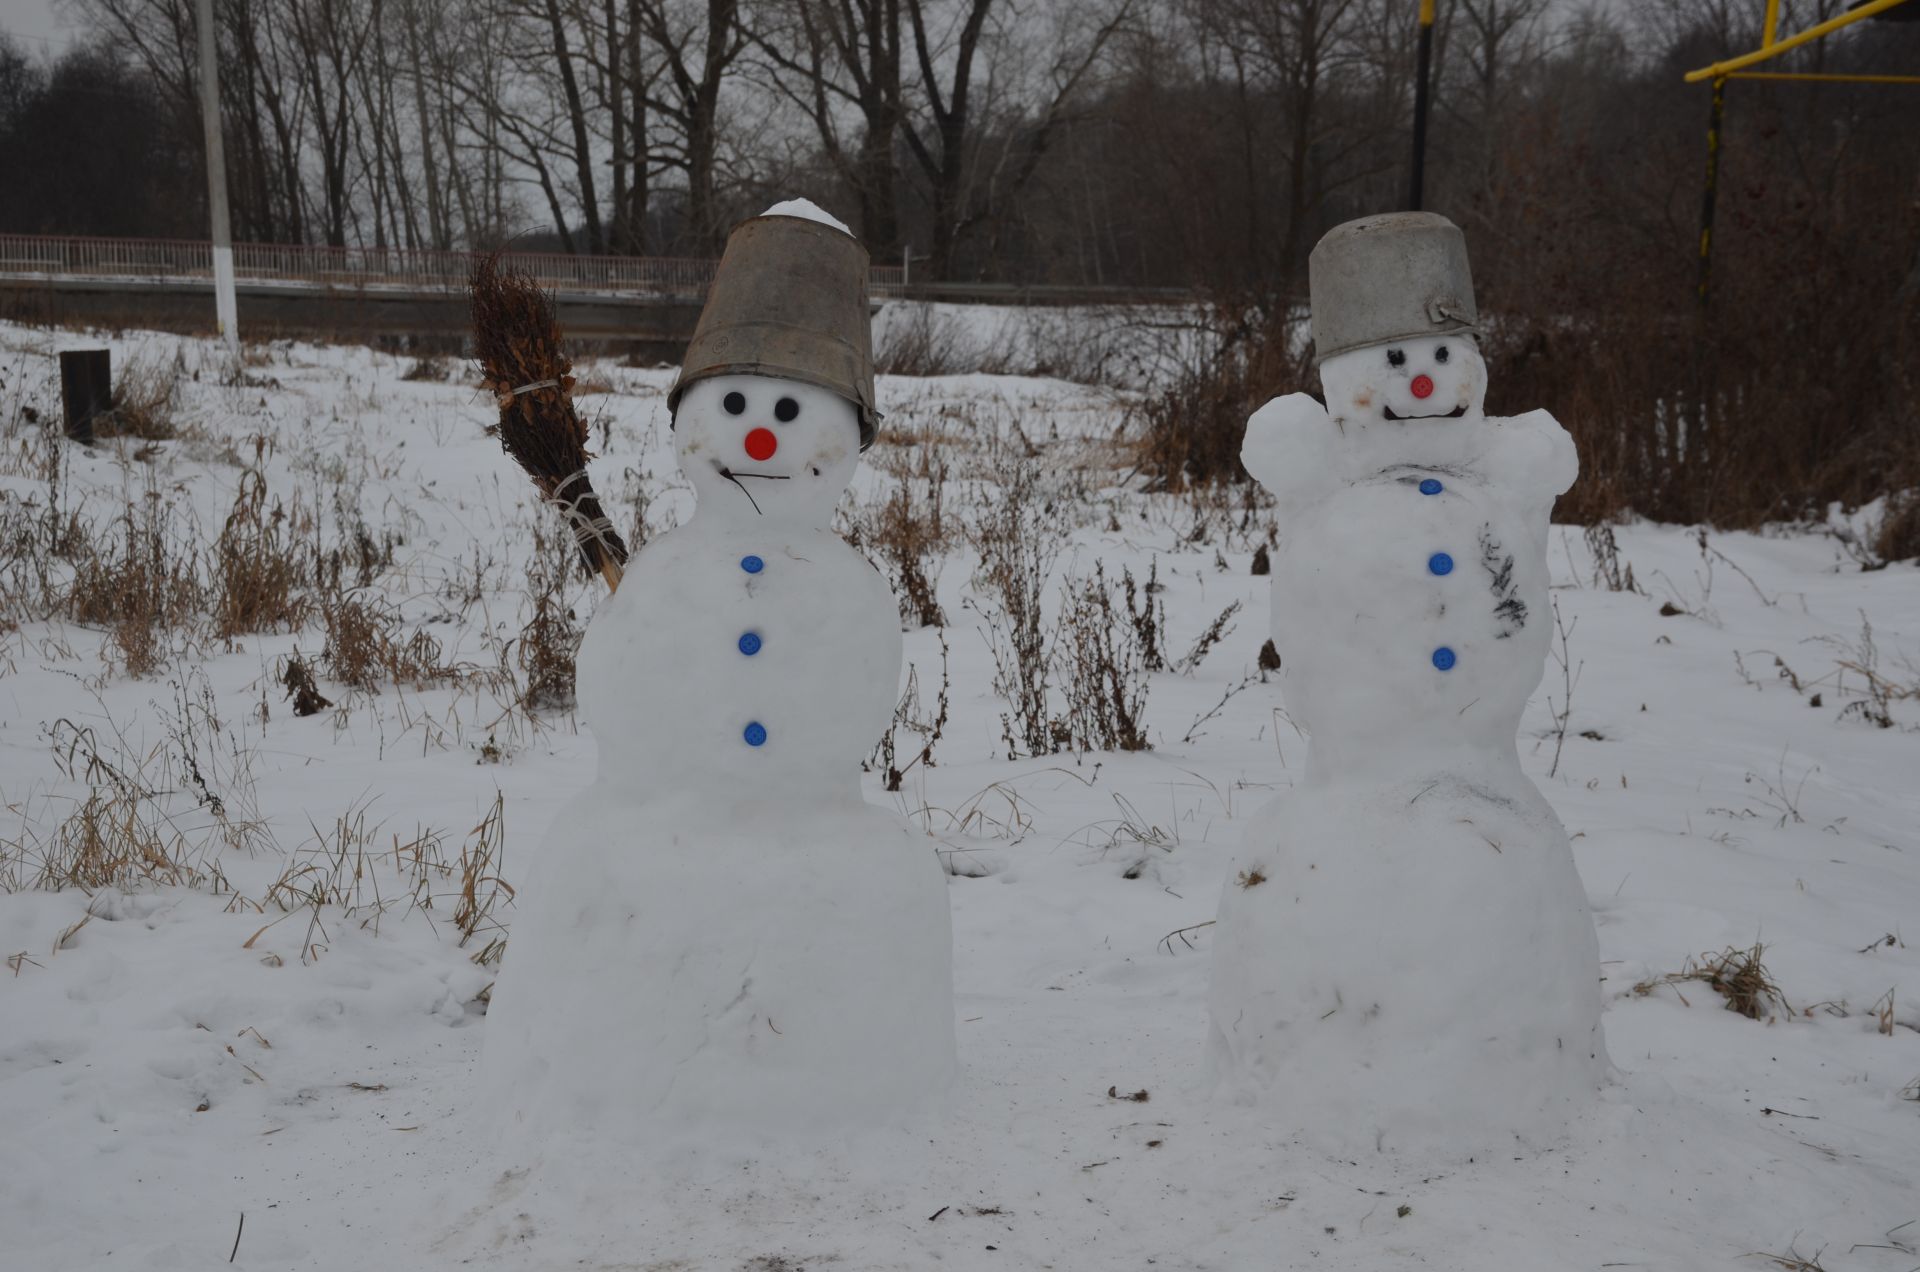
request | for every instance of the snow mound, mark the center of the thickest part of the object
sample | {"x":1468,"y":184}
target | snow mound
{"x":807,"y":210}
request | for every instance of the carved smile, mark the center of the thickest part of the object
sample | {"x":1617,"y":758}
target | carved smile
{"x":1454,"y":414}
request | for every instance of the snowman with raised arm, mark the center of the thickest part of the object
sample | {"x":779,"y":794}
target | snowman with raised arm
{"x":1404,"y":956}
{"x":721,"y":936}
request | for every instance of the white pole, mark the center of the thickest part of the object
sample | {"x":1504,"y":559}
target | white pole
{"x":225,"y":308}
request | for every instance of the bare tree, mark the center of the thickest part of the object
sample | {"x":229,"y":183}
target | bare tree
{"x":698,"y":45}
{"x":829,"y":56}
{"x":946,"y":133}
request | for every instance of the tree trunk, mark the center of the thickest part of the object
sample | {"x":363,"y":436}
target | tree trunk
{"x":577,"y":118}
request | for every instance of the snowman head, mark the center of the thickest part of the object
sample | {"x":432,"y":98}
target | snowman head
{"x":763,"y":451}
{"x":1419,"y":379}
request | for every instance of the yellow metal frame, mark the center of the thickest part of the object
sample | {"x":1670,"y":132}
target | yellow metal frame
{"x":1770,"y":48}
{"x":1811,"y":77}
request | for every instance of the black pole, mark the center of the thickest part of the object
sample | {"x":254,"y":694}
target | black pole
{"x":1714,"y":118}
{"x":1701,"y":432}
{"x":1418,"y":191}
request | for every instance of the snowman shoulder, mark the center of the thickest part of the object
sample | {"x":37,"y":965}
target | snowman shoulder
{"x":1287,"y":443}
{"x":1533,"y":453}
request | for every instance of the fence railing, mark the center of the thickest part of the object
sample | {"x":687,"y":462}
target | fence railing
{"x":361,"y":268}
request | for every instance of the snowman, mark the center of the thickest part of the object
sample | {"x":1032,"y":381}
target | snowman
{"x":720,"y":935}
{"x":1404,"y":958}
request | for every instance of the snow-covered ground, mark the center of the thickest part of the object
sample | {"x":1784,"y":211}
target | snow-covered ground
{"x":175,"y":1056}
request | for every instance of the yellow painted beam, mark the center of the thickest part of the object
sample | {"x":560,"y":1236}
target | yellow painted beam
{"x":1773,"y":24}
{"x":1720,"y":70}
{"x":1810,"y":77}
{"x":1426,"y":12}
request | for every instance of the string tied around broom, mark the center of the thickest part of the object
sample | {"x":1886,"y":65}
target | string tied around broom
{"x":590,"y":529}
{"x":505,"y":396}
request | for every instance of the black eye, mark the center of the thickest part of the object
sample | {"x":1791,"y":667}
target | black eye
{"x":1396,"y":358}
{"x":1440,"y":354}
{"x":786,"y":410}
{"x":735,"y":402}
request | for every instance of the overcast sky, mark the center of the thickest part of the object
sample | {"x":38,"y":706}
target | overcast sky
{"x":34,"y":23}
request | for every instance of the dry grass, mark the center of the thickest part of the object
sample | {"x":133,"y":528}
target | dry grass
{"x":1737,"y":975}
{"x":367,"y":646}
{"x":258,"y":571}
{"x":907,"y":715}
{"x":143,"y":400}
{"x":116,"y":838}
{"x":337,"y":869}
{"x":117,"y":831}
{"x":141,"y":582}
{"x":1018,"y":538}
{"x":909,"y":533}
{"x":1105,"y":680}
{"x":482,"y":890}
{"x":342,"y":870}
{"x":927,"y":343}
{"x":546,"y":647}
{"x":1792,"y":1260}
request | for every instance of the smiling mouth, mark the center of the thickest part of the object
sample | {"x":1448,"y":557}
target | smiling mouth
{"x":734,"y":477}
{"x":1454,"y":414}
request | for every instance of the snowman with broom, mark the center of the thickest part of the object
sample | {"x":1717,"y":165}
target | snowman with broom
{"x":720,"y":936}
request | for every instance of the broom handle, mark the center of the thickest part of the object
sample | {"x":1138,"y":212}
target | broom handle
{"x":610,"y":571}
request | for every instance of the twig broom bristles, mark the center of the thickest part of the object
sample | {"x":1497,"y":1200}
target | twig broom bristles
{"x":517,"y":339}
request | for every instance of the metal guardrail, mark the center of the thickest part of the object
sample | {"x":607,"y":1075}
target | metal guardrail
{"x":360,"y":268}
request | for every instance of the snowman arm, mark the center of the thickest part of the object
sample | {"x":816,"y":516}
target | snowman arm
{"x":1534,"y":455}
{"x":1286,"y":443}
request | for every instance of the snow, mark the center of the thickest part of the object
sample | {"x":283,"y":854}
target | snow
{"x":807,"y":210}
{"x":1730,"y":809}
{"x":759,"y":952}
{"x":1412,"y":617}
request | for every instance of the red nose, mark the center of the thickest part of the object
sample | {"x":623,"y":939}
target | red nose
{"x":761,"y":443}
{"x":1422,"y":387}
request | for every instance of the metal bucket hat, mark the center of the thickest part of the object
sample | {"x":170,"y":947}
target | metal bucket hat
{"x":1392,"y":277}
{"x":788,"y":300}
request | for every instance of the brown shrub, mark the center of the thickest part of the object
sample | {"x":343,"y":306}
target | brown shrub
{"x":1898,"y":536}
{"x":1193,"y":425}
{"x":1106,"y":674}
{"x":909,"y":533}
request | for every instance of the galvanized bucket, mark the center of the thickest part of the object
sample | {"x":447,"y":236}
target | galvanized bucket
{"x":1392,"y":277}
{"x":789,"y":300}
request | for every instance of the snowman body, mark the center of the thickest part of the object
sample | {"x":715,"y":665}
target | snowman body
{"x":1404,"y":957}
{"x":721,"y":938}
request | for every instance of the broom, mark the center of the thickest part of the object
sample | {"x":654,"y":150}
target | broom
{"x":517,"y":339}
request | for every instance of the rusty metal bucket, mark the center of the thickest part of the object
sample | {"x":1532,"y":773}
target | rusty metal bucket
{"x":789,"y":300}
{"x":1392,"y":277}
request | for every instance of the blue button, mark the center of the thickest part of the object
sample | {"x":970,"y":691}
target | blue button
{"x":1431,"y":487}
{"x":752,"y":564}
{"x":1440,"y":563}
{"x":756,"y":734}
{"x":1442,"y":658}
{"x":750,"y":644}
